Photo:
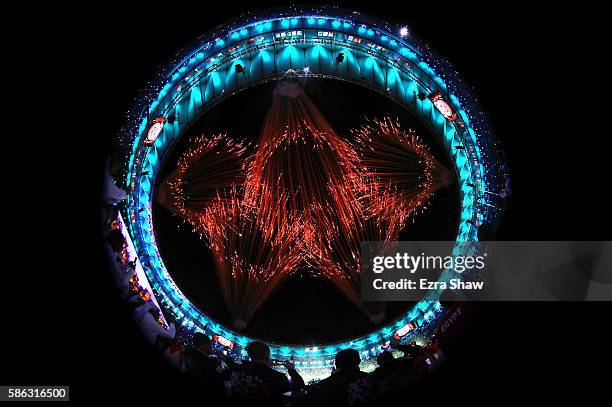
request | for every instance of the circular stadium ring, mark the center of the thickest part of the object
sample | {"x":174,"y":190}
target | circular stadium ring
{"x":306,"y":43}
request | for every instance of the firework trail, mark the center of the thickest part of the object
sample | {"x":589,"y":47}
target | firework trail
{"x":336,"y":252}
{"x":303,"y":177}
{"x":207,"y":175}
{"x":399,"y":172}
{"x":251,"y":262}
{"x":206,"y":190}
{"x":305,"y":198}
{"x":300,"y":162}
{"x":397,"y":177}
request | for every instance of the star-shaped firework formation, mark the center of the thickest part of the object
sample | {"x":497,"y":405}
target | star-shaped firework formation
{"x":303,"y":200}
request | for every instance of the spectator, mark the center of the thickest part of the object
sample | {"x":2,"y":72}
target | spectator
{"x":146,"y":317}
{"x":112,"y":194}
{"x":203,"y":366}
{"x":115,"y":240}
{"x":392,"y":373}
{"x":411,"y":350}
{"x":198,"y":361}
{"x":122,"y":273}
{"x":256,"y":382}
{"x":416,"y":354}
{"x":387,"y":365}
{"x":346,"y":386}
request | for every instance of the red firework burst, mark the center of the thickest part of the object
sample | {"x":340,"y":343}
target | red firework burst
{"x":399,"y":172}
{"x":306,"y":198}
{"x":207,"y":174}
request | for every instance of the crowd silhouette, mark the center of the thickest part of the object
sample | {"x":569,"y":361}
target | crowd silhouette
{"x":254,"y":381}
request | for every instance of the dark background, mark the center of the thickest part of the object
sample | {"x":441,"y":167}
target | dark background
{"x":536,"y":71}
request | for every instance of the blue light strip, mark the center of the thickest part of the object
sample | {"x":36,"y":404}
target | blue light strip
{"x":373,"y":57}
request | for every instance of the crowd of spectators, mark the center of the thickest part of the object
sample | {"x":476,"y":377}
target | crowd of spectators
{"x":255,"y":381}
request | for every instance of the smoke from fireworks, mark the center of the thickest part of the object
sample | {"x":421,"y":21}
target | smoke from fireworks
{"x":305,"y":198}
